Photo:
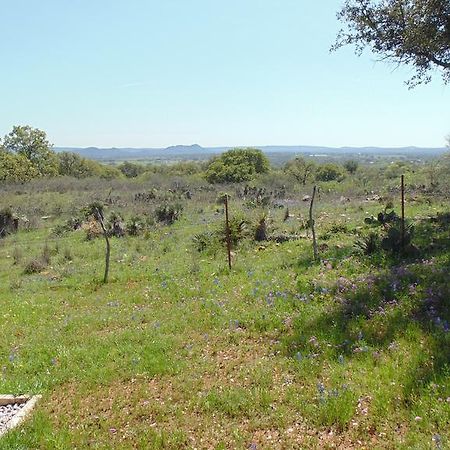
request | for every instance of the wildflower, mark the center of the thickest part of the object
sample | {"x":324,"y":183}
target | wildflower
{"x":321,"y":388}
{"x":298,"y":356}
{"x":437,"y":441}
{"x":341,"y":359}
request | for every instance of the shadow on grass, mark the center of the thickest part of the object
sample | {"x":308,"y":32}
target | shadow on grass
{"x":401,"y":299}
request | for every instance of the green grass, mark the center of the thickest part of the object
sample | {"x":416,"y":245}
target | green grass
{"x":178,"y":352}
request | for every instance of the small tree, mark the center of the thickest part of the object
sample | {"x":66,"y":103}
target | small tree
{"x":131,"y":170}
{"x":32,"y":144}
{"x":329,"y":172}
{"x":300,"y":169}
{"x":351,"y":166}
{"x":237,"y":165}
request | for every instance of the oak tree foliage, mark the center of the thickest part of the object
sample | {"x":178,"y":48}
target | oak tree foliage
{"x":405,"y":32}
{"x":236,"y":165}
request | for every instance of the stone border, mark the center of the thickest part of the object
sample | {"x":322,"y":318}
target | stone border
{"x":23,"y":413}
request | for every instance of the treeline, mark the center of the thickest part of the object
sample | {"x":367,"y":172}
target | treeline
{"x":26,"y":153}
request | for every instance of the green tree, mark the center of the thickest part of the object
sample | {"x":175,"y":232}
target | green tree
{"x":131,"y":170}
{"x":329,"y":172}
{"x":32,"y":144}
{"x":15,"y":168}
{"x":414,"y":32}
{"x":236,"y":165}
{"x":351,"y":166}
{"x":300,"y":169}
{"x":71,"y":165}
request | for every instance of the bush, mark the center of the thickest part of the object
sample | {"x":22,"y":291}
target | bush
{"x":135,"y":226}
{"x":369,"y":244}
{"x":8,"y":223}
{"x":168,"y":213}
{"x":392,"y":242}
{"x":36,"y":265}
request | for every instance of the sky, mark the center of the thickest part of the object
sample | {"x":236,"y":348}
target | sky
{"x":155,"y":73}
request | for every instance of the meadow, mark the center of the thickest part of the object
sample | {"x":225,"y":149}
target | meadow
{"x":177,"y":351}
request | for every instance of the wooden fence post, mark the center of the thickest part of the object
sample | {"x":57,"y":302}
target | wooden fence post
{"x":227,"y":230}
{"x":311,"y":224}
{"x":108,"y":246}
{"x":403,"y":212}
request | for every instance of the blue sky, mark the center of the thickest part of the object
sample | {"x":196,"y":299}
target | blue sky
{"x":145,"y":73}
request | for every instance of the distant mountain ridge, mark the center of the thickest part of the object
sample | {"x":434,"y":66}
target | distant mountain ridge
{"x":198,"y":152}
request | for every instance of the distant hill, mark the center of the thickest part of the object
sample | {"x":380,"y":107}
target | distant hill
{"x":198,"y":152}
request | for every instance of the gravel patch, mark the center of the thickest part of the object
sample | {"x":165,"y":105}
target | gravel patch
{"x":7,"y":412}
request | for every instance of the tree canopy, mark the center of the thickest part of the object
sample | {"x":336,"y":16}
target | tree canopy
{"x":413,"y":32}
{"x":32,"y":144}
{"x":300,"y":169}
{"x":236,"y":165}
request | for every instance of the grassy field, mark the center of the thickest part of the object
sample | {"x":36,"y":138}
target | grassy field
{"x":176,"y":351}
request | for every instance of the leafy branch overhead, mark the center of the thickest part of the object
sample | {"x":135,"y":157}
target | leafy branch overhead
{"x":410,"y":32}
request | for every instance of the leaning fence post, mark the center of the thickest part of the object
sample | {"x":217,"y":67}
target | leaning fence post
{"x":311,"y":224}
{"x":227,"y":231}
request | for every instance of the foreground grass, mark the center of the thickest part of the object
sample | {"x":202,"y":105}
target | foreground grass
{"x":178,"y":352}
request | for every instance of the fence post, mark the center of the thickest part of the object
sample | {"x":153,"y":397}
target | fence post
{"x":227,"y":230}
{"x":311,"y":224}
{"x":108,"y":246}
{"x":403,"y":212}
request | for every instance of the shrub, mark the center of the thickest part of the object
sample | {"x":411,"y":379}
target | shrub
{"x":392,"y":242}
{"x":135,"y":226}
{"x":261,"y":229}
{"x":369,"y":244}
{"x":204,"y":241}
{"x":36,"y":265}
{"x":8,"y":223}
{"x":168,"y":213}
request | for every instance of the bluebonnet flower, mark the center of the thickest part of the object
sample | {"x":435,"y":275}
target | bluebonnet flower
{"x":298,"y":356}
{"x":341,"y":359}
{"x":334,"y":393}
{"x":437,"y":441}
{"x":216,"y":281}
{"x":321,"y":388}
